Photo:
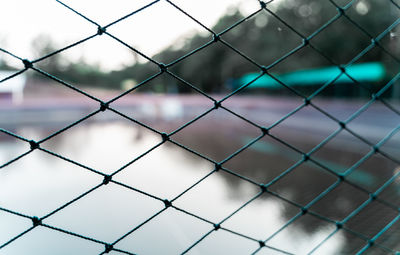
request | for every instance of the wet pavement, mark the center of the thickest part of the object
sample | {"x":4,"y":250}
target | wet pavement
{"x":112,"y":210}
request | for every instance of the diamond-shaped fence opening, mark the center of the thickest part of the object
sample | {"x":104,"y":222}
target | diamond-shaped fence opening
{"x":274,"y":131}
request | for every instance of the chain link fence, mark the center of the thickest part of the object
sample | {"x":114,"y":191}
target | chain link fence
{"x":371,"y":242}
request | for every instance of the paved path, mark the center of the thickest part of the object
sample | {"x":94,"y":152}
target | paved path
{"x":373,"y":124}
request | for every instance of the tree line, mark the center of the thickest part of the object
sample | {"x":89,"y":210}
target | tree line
{"x":264,"y":38}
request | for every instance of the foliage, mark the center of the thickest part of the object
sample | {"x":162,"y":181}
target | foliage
{"x":264,"y":38}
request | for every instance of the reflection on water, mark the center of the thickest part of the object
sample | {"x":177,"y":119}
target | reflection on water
{"x":40,"y":183}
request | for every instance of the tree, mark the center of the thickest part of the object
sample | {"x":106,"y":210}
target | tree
{"x":265,"y":38}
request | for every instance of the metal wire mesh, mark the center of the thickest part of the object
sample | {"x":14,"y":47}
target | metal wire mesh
{"x":264,"y":131}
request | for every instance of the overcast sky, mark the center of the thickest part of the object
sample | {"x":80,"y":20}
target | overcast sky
{"x":151,"y":30}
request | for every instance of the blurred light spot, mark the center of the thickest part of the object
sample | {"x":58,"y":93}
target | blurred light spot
{"x":305,"y":10}
{"x":261,"y":21}
{"x":128,"y":84}
{"x":171,"y":109}
{"x":362,"y":8}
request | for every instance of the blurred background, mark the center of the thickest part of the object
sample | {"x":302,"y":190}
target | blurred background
{"x":36,"y":106}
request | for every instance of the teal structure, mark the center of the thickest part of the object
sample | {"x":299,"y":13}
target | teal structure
{"x":364,"y":72}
